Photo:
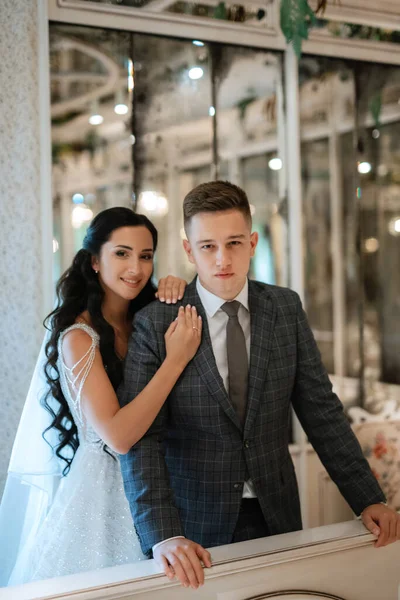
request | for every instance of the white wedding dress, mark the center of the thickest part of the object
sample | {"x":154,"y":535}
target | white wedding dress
{"x":89,"y":525}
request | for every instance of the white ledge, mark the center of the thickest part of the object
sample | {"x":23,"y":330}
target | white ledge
{"x":145,"y":576}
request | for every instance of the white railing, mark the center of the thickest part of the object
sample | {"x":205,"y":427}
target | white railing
{"x":336,"y":561}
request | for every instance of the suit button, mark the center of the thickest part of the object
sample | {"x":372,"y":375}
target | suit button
{"x":246,"y":444}
{"x":236,"y":486}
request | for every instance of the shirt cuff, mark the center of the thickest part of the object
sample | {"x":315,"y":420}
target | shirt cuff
{"x":176,"y":537}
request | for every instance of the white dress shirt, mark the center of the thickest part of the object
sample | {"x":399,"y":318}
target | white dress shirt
{"x":217,"y":320}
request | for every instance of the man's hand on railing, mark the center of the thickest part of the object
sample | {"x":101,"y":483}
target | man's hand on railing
{"x":183,"y":558}
{"x":383,"y":522}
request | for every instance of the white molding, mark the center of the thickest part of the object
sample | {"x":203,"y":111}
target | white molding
{"x":46,"y":199}
{"x":270,"y":37}
{"x":372,"y":13}
{"x":323,"y":43}
{"x":142,"y":21}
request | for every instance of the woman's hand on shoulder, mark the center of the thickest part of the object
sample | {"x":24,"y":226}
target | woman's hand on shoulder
{"x":171,"y":289}
{"x":183,"y":336}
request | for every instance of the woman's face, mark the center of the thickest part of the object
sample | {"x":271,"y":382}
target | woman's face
{"x":125,"y":263}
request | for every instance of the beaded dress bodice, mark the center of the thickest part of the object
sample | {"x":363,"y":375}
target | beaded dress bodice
{"x":73,"y":379}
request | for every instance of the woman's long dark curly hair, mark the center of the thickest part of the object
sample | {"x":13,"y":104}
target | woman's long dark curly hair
{"x":78,"y":289}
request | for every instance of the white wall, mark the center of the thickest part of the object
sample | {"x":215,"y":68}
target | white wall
{"x":21,"y":265}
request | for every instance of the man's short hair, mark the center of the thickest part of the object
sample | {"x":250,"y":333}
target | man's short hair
{"x":215,"y":196}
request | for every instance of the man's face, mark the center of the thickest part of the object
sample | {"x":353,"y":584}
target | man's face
{"x":220,"y":245}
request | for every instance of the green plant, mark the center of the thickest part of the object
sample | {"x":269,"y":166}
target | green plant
{"x":296,"y":18}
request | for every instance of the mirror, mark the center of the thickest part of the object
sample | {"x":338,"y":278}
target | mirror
{"x":138,"y":120}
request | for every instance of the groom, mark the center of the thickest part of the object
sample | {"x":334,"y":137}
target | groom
{"x":214,"y":467}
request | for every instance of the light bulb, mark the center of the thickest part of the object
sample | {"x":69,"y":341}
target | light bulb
{"x":196,"y":73}
{"x":364,"y":167}
{"x":275,"y":164}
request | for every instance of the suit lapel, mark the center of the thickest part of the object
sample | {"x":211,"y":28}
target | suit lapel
{"x":262,"y":322}
{"x":204,"y":361}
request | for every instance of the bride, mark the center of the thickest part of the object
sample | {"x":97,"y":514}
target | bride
{"x":88,"y":525}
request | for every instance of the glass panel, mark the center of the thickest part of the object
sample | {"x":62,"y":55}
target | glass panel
{"x":350,"y":117}
{"x":378,"y":115}
{"x":379,"y":172}
{"x":249,"y":125}
{"x":173,"y":137}
{"x":317,"y":233}
{"x":91,"y":138}
{"x":261,"y":185}
{"x":325,"y":90}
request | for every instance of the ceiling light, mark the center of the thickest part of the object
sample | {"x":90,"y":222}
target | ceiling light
{"x":55,"y":245}
{"x":81,"y":214}
{"x":275,"y":164}
{"x":371,"y":245}
{"x":394,"y":226}
{"x":131,"y":82}
{"x":77,"y":198}
{"x":211,"y":111}
{"x":121,"y":109}
{"x":364,"y":167}
{"x":198,"y":43}
{"x":95,"y":116}
{"x":196,"y":73}
{"x":153,"y":203}
{"x":96,"y":119}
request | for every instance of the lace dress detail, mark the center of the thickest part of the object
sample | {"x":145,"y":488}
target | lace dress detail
{"x":89,"y":525}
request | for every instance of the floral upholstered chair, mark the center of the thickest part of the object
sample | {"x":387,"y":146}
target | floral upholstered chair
{"x":379,"y":437}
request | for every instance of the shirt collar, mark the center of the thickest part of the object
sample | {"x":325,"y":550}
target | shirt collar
{"x":212,"y":303}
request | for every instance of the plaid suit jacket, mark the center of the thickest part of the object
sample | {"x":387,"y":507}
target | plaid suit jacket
{"x":185,"y":476}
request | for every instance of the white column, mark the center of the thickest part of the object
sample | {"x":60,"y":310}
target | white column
{"x":293,"y":170}
{"x":296,"y":261}
{"x":338,"y":279}
{"x":25,"y":206}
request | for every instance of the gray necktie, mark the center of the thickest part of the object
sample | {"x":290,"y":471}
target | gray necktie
{"x":237,"y":359}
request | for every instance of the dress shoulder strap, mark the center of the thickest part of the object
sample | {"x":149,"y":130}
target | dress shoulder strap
{"x":76,"y":375}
